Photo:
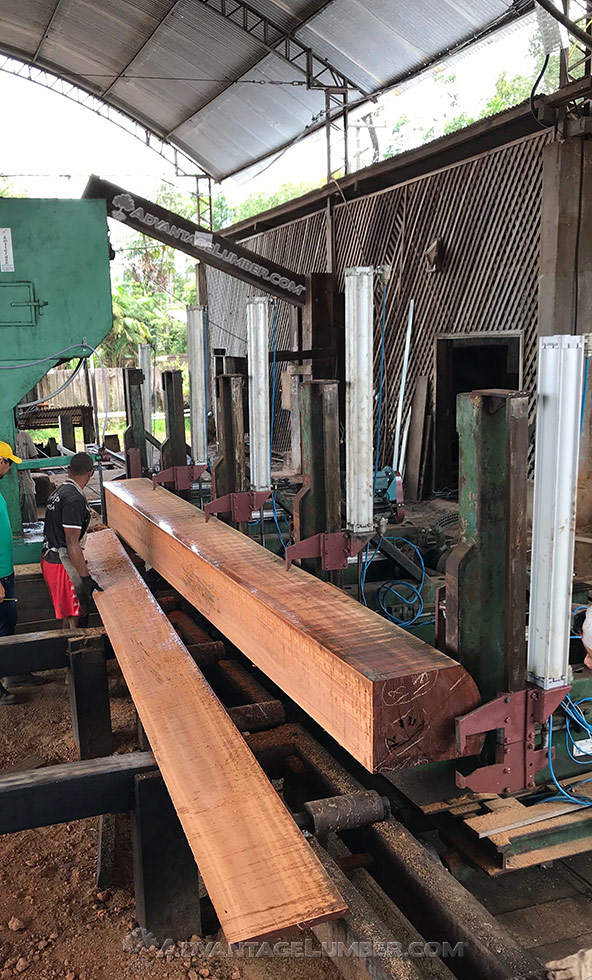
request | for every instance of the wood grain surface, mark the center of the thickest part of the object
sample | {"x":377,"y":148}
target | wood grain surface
{"x":260,"y":872}
{"x":387,"y":697}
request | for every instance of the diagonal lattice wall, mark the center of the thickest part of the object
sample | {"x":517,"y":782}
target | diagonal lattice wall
{"x":486,"y":210}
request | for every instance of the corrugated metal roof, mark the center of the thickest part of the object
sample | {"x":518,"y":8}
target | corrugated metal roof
{"x":206,"y":81}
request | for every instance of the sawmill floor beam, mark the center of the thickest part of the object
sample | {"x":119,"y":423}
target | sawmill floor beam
{"x":42,"y":650}
{"x":77,"y":790}
{"x":70,"y":791}
{"x":88,"y":690}
{"x":382,"y":955}
{"x":166,"y":877}
{"x":425,"y":890}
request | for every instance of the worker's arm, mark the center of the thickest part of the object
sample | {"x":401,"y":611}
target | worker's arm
{"x":77,"y":558}
{"x":2,"y":592}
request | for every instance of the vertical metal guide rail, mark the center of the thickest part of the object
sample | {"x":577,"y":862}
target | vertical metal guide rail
{"x":515,"y":715}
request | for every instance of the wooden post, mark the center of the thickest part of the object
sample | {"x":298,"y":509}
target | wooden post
{"x":229,"y":473}
{"x":565,"y":287}
{"x":166,"y":878}
{"x":133,"y":437}
{"x":106,"y":850}
{"x":318,"y":325}
{"x":174,"y":448}
{"x":89,"y":697}
{"x":88,"y":425}
{"x":317,"y":505}
{"x":67,"y":434}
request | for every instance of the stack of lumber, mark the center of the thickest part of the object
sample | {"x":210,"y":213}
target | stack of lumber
{"x":387,"y":697}
{"x":260,"y":872}
{"x":505,"y":834}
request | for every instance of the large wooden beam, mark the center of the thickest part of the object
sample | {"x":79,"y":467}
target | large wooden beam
{"x":385,"y":696}
{"x":260,"y":873}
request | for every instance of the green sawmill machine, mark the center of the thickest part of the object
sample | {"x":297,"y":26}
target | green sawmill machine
{"x":55,"y":305}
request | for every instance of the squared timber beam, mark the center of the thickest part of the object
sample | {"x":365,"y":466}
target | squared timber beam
{"x":387,"y":697}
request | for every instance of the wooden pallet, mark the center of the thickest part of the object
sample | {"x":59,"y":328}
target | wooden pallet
{"x":503,"y":834}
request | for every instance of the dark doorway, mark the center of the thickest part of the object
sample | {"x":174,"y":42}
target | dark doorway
{"x":468,"y":363}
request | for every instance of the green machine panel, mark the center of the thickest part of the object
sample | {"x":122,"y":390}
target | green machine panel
{"x":55,"y":293}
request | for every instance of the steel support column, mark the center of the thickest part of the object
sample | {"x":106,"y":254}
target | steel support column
{"x":133,"y":437}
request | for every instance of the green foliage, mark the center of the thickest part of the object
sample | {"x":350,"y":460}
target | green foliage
{"x":158,"y":281}
{"x":457,"y":122}
{"x":256,"y":203}
{"x":508,"y":92}
{"x":7,"y":189}
{"x":397,"y":137}
{"x":223,"y":214}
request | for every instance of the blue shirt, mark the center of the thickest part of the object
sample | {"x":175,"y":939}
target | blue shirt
{"x":6,"y":562}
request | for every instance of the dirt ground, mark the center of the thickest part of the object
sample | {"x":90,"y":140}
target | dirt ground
{"x":53,"y":923}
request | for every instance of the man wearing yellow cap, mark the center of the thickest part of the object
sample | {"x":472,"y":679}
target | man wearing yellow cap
{"x":7,"y":603}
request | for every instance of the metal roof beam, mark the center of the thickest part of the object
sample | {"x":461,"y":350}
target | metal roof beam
{"x":45,"y":34}
{"x":274,"y":39}
{"x":143,"y":45}
{"x":284,"y":44}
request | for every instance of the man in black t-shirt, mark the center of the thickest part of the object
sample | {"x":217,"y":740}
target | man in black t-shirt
{"x":64,"y":569}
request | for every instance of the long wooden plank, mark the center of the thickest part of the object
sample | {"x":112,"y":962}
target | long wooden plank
{"x":416,"y":437}
{"x":492,"y":824}
{"x":261,"y":874}
{"x":387,"y":697}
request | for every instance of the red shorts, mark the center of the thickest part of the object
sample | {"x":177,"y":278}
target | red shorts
{"x":61,"y":590}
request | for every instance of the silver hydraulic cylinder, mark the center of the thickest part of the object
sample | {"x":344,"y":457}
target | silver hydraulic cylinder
{"x":557,"y":449}
{"x":196,"y":356}
{"x":258,"y":368}
{"x":144,"y":352}
{"x":359,"y":423}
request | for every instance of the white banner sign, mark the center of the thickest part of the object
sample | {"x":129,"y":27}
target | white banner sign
{"x":6,"y":256}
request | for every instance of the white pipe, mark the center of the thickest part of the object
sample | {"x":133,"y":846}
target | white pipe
{"x":402,"y":388}
{"x":359,"y":446}
{"x":559,"y":402}
{"x":295,"y":423}
{"x":258,"y":367}
{"x":196,"y":357}
{"x":401,"y":466}
{"x":144,"y":351}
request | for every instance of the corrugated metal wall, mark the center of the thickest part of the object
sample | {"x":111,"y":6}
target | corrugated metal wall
{"x":486,"y":210}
